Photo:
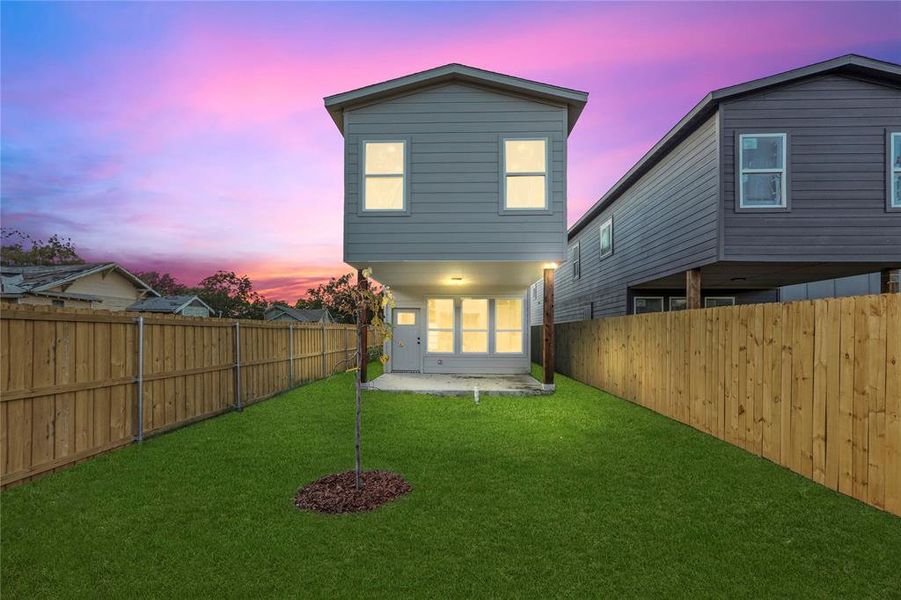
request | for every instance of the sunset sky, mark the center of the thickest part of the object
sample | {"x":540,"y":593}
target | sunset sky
{"x":191,"y":137}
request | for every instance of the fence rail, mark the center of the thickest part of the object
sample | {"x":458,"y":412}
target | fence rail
{"x":76,"y":383}
{"x":814,"y":386}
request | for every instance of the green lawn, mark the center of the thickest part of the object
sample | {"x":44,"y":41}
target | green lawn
{"x":577,"y":494}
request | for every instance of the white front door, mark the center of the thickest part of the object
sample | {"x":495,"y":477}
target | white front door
{"x":405,"y":342}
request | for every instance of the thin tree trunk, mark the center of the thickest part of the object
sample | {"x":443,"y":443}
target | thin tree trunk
{"x":358,"y":397}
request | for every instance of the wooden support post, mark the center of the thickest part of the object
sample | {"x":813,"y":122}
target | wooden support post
{"x":890,"y":281}
{"x":362,"y":322}
{"x":547,"y":352}
{"x":693,"y":288}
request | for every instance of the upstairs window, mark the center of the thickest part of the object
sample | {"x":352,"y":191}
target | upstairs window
{"x":508,"y":326}
{"x":895,"y":170}
{"x":384,"y":176}
{"x":441,"y":325}
{"x":761,"y":159}
{"x":474,"y":325}
{"x":605,"y":235}
{"x":525,"y":174}
{"x":575,"y":260}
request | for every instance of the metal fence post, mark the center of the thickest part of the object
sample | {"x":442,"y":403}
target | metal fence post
{"x":238,"y":404}
{"x":290,"y":355}
{"x":324,"y":358}
{"x":139,"y":380}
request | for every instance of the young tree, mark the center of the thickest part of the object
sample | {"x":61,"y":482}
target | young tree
{"x":232,"y":296}
{"x":370,"y":307}
{"x":164,"y":283}
{"x":20,"y":249}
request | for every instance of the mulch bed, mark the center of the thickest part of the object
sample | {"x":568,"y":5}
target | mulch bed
{"x":335,"y":494}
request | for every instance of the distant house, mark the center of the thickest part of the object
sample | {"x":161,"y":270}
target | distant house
{"x":187,"y":306}
{"x":104,"y":285}
{"x":280,"y":312}
{"x":782,"y":188}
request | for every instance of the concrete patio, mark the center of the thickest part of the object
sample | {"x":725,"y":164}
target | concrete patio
{"x":458,"y":385}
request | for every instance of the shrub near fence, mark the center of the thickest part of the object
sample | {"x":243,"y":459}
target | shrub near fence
{"x":813,"y":386}
{"x":69,"y":378}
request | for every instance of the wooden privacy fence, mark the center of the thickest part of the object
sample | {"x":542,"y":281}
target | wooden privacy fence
{"x":75,"y":383}
{"x":814,"y":386}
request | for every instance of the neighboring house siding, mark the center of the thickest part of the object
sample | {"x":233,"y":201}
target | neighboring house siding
{"x":45,"y":301}
{"x":665,"y":222}
{"x":836,"y":128}
{"x":454,"y":134}
{"x":115,"y":291}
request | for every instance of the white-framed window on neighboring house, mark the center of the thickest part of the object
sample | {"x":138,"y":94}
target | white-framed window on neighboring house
{"x":894,"y":173}
{"x":474,"y":326}
{"x":605,"y":238}
{"x":678,"y":303}
{"x":762,"y":170}
{"x":440,"y":338}
{"x":508,"y":318}
{"x":384,"y":176}
{"x":575,"y":260}
{"x":525,"y":167}
{"x":647,"y":304}
{"x":714,"y":301}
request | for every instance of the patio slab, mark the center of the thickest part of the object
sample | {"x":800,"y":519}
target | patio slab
{"x":458,"y":384}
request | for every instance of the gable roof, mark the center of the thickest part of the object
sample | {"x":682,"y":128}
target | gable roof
{"x":33,"y":279}
{"x":573,"y":99}
{"x":167,"y":304}
{"x":849,"y":64}
{"x":304,"y":315}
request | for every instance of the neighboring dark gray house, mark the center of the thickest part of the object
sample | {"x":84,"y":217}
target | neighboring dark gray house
{"x":780,"y":181}
{"x":187,"y":306}
{"x":281,"y":312}
{"x":455,"y":197}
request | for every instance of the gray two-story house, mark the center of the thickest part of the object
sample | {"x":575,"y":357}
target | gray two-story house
{"x":455,"y":197}
{"x":784,"y":180}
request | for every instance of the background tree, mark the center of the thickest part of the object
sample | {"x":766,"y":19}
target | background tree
{"x":231,"y":296}
{"x":20,"y":249}
{"x":164,"y":283}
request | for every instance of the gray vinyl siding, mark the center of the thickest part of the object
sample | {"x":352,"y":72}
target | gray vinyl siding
{"x":454,"y":134}
{"x":664,"y":223}
{"x":836,"y":128}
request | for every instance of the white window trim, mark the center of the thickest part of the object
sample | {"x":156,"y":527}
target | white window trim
{"x":403,"y":176}
{"x":607,"y":223}
{"x":895,"y":169}
{"x":637,"y":298}
{"x":496,"y":329}
{"x":487,"y":329}
{"x":706,"y":298}
{"x":546,"y":174}
{"x":453,"y":328}
{"x":671,"y":298}
{"x":783,"y":171}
